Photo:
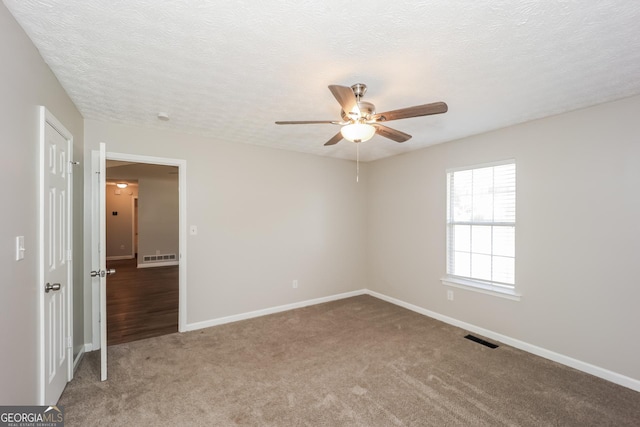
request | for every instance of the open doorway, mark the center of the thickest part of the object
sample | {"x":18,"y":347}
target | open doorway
{"x":142,"y":245}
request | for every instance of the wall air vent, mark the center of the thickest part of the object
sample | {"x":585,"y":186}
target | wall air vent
{"x":159,"y":258}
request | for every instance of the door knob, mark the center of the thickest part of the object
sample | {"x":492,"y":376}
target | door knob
{"x":102,"y":273}
{"x":49,"y":287}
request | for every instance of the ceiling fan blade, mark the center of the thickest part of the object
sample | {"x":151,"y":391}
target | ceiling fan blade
{"x":393,"y":134}
{"x":347,"y":99}
{"x":336,"y":138}
{"x":307,"y":122}
{"x":417,"y":111}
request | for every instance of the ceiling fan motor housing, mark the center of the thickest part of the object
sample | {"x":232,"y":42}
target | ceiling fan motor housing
{"x":367,"y":110}
{"x":359,"y":89}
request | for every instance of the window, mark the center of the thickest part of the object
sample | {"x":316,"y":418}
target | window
{"x":481,"y":226}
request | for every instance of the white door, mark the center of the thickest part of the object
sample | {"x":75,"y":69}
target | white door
{"x":98,"y":253}
{"x":56,"y":272}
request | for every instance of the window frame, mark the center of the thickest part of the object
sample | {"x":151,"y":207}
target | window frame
{"x":495,"y":288}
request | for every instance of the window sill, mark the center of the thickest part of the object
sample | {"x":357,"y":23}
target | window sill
{"x":481,"y":287}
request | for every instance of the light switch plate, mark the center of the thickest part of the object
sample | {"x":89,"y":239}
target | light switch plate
{"x":20,"y":248}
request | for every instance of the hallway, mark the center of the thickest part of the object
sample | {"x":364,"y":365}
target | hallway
{"x":141,"y":302}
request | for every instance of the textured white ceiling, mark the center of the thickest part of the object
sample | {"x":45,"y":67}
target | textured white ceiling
{"x":229,"y":69}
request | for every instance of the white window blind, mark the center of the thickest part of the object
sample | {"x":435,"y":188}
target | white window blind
{"x":481,"y":223}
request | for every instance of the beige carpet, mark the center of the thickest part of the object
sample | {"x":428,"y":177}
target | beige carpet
{"x":355,"y":362}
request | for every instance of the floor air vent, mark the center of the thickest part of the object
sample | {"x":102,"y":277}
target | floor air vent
{"x":481,"y":341}
{"x":158,"y":258}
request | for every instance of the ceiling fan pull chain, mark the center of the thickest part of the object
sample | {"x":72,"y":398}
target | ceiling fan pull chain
{"x":357,"y":162}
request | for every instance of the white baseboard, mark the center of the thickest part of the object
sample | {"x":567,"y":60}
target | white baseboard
{"x":158,"y":264}
{"x":79,"y":357}
{"x":115,"y":258}
{"x":272,"y":310}
{"x":597,"y":371}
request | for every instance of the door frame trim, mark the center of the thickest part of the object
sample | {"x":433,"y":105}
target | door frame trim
{"x":134,"y":220}
{"x":181,"y":164}
{"x":47,"y":118}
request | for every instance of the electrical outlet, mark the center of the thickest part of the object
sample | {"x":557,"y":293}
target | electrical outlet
{"x":294,"y":284}
{"x":450,"y":295}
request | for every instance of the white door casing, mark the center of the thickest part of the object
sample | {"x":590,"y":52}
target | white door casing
{"x":55,"y":287}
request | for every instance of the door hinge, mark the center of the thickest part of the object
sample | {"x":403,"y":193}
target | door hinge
{"x":69,"y":343}
{"x":69,"y":255}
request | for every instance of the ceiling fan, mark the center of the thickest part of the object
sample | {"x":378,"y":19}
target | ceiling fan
{"x":360,"y":122}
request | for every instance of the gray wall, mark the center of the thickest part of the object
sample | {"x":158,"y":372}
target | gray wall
{"x":158,"y":204}
{"x":158,"y":216}
{"x":577,"y":238}
{"x":25,"y":83}
{"x":265,"y":217}
{"x":120,"y":227}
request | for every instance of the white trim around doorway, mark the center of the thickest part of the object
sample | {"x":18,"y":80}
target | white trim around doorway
{"x":182,"y":220}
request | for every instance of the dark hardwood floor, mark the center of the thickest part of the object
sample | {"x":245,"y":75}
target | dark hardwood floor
{"x":141,"y":302}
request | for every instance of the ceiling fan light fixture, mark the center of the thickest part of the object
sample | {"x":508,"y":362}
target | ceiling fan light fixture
{"x":360,"y":120}
{"x":358,"y":132}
